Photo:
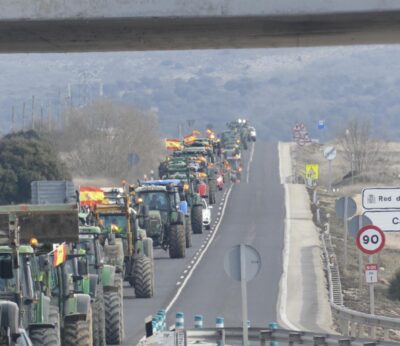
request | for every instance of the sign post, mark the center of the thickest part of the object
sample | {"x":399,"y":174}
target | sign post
{"x":371,"y":240}
{"x":330,"y":155}
{"x":243,"y":263}
{"x":354,"y":225}
{"x":345,"y":207}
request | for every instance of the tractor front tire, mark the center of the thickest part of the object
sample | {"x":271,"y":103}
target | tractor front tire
{"x":177,"y":241}
{"x":114,"y":317}
{"x":43,"y":337}
{"x":78,"y":332}
{"x":188,"y":230}
{"x":99,"y":320}
{"x":144,"y":277}
{"x":197,"y":219}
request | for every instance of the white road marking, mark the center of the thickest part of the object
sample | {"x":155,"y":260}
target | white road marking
{"x":249,"y":163}
{"x":178,"y":293}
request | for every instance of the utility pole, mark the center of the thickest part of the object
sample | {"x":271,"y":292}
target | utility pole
{"x":33,"y":113}
{"x":23,"y":116}
{"x":12,"y":119}
{"x":41,"y":117}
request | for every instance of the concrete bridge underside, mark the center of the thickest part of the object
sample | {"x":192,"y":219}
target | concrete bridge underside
{"x":152,"y":25}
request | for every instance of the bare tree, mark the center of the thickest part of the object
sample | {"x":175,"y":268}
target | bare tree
{"x":98,"y":140}
{"x":359,"y":147}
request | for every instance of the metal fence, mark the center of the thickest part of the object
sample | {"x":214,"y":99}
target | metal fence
{"x":257,"y":336}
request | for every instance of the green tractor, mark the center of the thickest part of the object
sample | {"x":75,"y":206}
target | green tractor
{"x":22,"y":280}
{"x":163,"y":217}
{"x":105,"y":288}
{"x":179,"y":168}
{"x":125,"y":244}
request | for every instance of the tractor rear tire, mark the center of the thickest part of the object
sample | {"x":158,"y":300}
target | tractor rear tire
{"x":144,"y":277}
{"x":114,"y":317}
{"x":43,"y":336}
{"x":99,"y":320}
{"x":197,"y":219}
{"x":177,"y":241}
{"x":188,"y":230}
{"x":78,"y":332}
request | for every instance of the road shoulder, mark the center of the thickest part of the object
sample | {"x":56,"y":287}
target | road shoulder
{"x":303,"y":303}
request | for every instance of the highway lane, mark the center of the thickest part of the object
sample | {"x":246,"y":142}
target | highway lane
{"x":254,"y":215}
{"x":168,"y":273}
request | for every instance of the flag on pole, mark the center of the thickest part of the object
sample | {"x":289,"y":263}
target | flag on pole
{"x":173,"y":144}
{"x":90,"y":195}
{"x":189,"y":139}
{"x":60,"y":255}
{"x":196,"y":133}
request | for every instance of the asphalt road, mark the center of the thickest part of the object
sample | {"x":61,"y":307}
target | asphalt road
{"x":254,"y":214}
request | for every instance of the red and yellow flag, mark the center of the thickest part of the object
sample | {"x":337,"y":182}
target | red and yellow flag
{"x":196,"y":133}
{"x":60,"y":255}
{"x":90,"y":195}
{"x":211,"y":134}
{"x":189,"y":139}
{"x":173,"y":144}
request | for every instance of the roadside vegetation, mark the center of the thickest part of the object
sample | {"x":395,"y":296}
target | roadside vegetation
{"x":24,"y":157}
{"x":103,"y":142}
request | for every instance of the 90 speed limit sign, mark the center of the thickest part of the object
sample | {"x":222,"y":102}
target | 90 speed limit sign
{"x":370,"y":239}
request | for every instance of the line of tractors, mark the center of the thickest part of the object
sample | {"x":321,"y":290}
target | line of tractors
{"x":64,"y":258}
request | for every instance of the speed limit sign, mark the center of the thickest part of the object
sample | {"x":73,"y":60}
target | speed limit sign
{"x":370,"y":239}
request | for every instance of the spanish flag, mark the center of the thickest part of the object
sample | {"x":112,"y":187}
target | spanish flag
{"x":90,"y":196}
{"x":196,"y":133}
{"x":173,"y":144}
{"x":60,"y":255}
{"x":211,"y":134}
{"x":189,"y":139}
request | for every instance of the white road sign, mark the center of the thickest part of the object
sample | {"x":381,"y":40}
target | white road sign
{"x":381,"y":198}
{"x":371,"y":273}
{"x":330,"y":153}
{"x":386,"y":220}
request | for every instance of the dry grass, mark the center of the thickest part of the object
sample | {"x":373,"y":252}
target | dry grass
{"x":386,"y":173}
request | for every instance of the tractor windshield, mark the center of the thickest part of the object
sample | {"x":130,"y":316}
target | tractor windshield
{"x":156,"y":200}
{"x":7,"y":275}
{"x":117,"y":223}
{"x":88,"y":245}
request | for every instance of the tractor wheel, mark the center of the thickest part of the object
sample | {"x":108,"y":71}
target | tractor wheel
{"x":44,"y":337}
{"x":114,"y":317}
{"x":78,"y":332}
{"x":188,"y":230}
{"x":144,"y":282}
{"x":177,"y":241}
{"x":197,"y":219}
{"x":99,"y":322}
{"x":54,"y":317}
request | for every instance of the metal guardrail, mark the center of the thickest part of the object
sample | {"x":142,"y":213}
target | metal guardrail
{"x":264,"y":337}
{"x":351,"y":322}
